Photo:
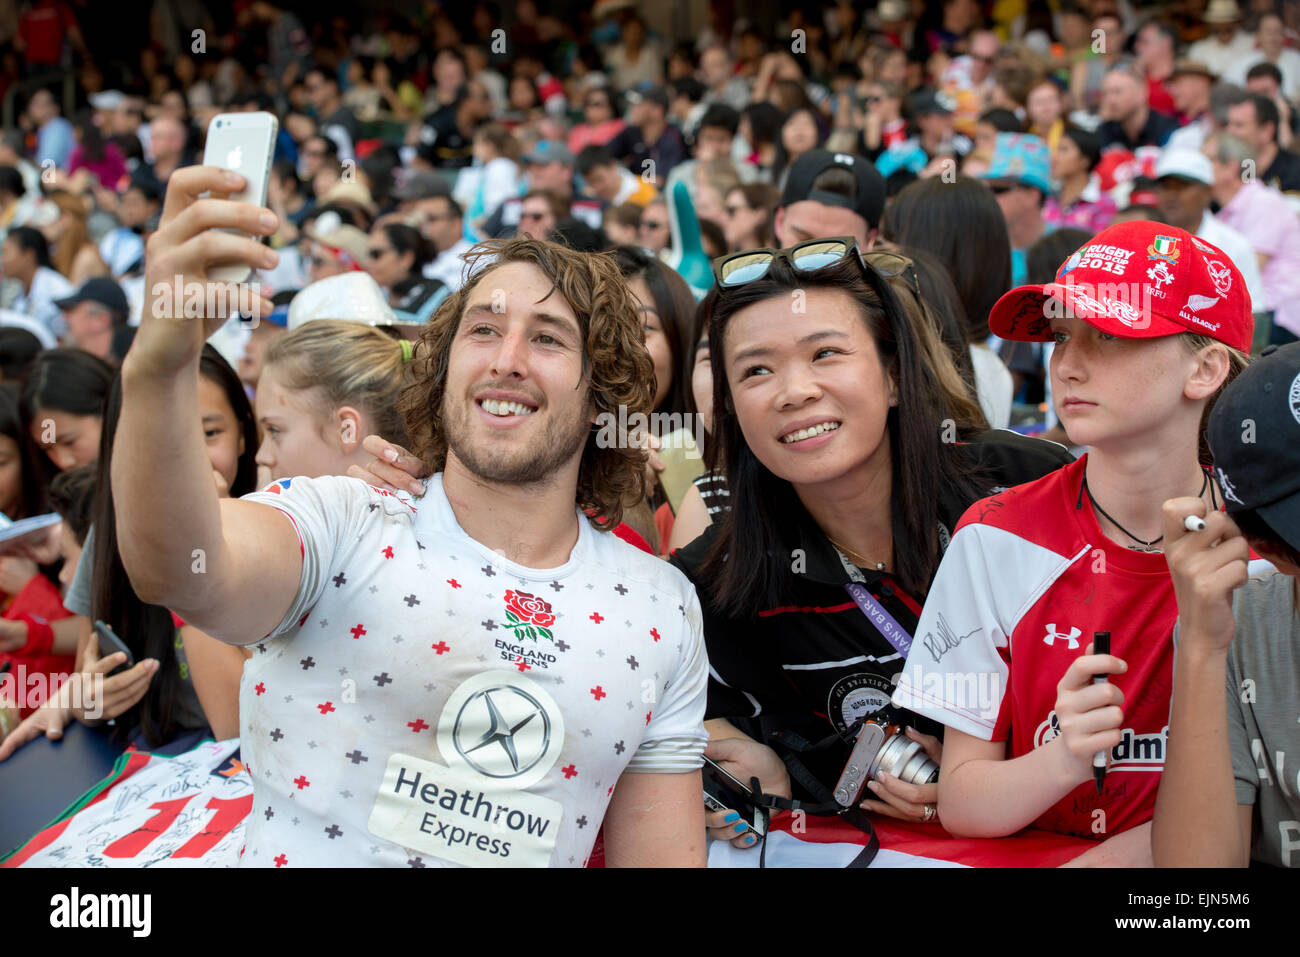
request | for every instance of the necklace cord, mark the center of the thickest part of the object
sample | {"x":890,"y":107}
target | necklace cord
{"x":1149,"y":546}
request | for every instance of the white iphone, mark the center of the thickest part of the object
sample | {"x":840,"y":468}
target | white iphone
{"x":244,"y":143}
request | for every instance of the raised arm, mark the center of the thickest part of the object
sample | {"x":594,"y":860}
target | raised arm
{"x":1198,"y":822}
{"x":229,"y":567}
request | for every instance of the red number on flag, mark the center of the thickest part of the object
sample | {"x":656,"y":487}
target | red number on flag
{"x":144,"y":835}
{"x":230,"y":811}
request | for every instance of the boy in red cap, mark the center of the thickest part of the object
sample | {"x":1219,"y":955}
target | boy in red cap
{"x":1150,"y":323}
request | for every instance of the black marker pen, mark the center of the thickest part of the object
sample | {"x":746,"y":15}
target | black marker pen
{"x":1100,"y":646}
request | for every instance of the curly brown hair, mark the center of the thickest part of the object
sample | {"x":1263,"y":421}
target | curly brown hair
{"x":615,"y":365}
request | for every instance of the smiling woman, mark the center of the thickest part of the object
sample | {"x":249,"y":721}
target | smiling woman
{"x":840,"y":423}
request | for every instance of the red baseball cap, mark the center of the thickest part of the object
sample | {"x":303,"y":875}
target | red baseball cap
{"x":1136,"y":280}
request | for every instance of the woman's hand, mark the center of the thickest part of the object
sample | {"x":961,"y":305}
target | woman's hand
{"x":743,"y":759}
{"x":103,"y":696}
{"x":42,"y":547}
{"x":49,"y":719}
{"x":907,"y":802}
{"x":392,"y":467}
{"x":654,"y":463}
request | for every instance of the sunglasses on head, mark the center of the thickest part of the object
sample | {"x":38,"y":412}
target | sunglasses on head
{"x":811,"y":255}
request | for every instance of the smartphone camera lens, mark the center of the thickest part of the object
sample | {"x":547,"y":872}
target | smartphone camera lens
{"x":218,"y":124}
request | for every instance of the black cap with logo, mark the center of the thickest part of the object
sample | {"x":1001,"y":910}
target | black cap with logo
{"x":868,"y":199}
{"x":1254,"y":434}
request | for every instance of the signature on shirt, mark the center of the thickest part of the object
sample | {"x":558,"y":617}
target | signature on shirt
{"x":943,"y":639}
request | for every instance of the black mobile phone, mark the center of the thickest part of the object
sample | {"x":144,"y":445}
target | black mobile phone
{"x":109,"y":643}
{"x":723,"y":792}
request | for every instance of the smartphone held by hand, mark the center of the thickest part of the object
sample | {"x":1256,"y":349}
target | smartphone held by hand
{"x":243,"y":143}
{"x":109,"y":642}
{"x":723,"y":792}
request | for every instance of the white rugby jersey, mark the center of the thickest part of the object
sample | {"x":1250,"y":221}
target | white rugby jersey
{"x":426,"y":702}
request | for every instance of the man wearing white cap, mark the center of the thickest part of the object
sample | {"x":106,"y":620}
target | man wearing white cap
{"x":1185,"y":179}
{"x":1227,"y":44}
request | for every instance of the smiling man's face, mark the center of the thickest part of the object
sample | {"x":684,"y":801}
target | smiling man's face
{"x":517,"y":409}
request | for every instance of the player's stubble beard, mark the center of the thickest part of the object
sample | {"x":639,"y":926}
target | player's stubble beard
{"x":536,"y":462}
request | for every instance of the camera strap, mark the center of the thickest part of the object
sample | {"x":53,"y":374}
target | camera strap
{"x":788,"y":745}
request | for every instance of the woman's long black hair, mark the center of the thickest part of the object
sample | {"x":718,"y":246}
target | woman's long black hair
{"x":12,"y":424}
{"x":147,"y":629}
{"x":961,"y":225}
{"x":749,"y":567}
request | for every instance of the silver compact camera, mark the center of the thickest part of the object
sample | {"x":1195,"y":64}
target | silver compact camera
{"x":883,"y":749}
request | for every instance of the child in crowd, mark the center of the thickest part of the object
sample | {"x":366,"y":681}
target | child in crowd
{"x":324,"y":387}
{"x":29,"y":598}
{"x":1035,"y":572}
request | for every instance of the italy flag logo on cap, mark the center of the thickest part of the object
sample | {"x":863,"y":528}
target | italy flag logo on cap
{"x":1166,"y":248}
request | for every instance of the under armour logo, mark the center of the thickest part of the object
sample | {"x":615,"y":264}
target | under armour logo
{"x":1053,"y":634}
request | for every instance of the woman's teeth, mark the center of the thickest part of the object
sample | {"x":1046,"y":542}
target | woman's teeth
{"x":810,"y":432}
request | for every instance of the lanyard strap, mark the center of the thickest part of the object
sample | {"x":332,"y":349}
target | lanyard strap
{"x":894,"y":633}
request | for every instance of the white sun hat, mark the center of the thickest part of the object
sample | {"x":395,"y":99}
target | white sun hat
{"x":352,"y":296}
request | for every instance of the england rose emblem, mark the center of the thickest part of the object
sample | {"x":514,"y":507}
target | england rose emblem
{"x":528,"y":616}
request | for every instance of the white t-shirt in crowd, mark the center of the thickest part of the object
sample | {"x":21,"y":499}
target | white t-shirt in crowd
{"x":37,"y":303}
{"x":1288,"y":64}
{"x":426,"y":702}
{"x":1239,"y":250}
{"x":449,"y":266}
{"x":994,"y":385}
{"x":1222,"y":57}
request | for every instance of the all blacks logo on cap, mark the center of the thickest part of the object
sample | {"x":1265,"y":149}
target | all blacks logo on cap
{"x":1293,"y":398}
